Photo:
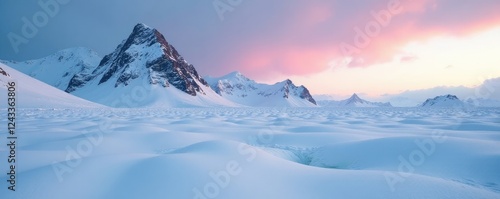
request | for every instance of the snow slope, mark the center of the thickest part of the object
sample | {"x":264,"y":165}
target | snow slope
{"x":58,"y":69}
{"x":32,"y":93}
{"x":293,"y":153}
{"x":353,"y":101}
{"x":242,"y":90}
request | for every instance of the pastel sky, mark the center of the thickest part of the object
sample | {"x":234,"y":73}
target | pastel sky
{"x":331,"y":46}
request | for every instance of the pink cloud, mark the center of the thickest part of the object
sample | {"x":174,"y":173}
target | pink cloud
{"x":303,"y":39}
{"x":423,"y":20}
{"x":408,"y":58}
{"x":264,"y":61}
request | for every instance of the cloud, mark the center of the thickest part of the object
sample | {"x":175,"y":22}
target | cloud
{"x":489,"y":89}
{"x":258,"y":37}
{"x":305,"y":39}
{"x":407,"y":58}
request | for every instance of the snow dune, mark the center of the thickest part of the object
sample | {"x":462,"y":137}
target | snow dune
{"x":257,"y":153}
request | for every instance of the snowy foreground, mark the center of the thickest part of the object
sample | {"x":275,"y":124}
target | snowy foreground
{"x":255,"y":153}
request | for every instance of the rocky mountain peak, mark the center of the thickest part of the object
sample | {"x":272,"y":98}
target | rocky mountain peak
{"x":144,"y":55}
{"x":355,"y":99}
{"x":243,"y":90}
{"x":443,"y":101}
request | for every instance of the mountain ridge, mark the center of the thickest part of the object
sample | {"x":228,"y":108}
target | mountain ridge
{"x":353,"y":101}
{"x":57,"y":69}
{"x":443,"y":101}
{"x":243,"y":90}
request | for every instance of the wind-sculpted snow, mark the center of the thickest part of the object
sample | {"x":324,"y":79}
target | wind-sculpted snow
{"x":257,"y":153}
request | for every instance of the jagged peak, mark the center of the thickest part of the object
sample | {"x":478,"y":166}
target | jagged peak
{"x":355,"y":99}
{"x":286,"y":82}
{"x":140,"y":34}
{"x":141,"y":26}
{"x":355,"y":96}
{"x":233,"y":76}
{"x":447,"y":96}
{"x":145,"y":35}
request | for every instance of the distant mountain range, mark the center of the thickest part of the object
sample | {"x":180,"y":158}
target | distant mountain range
{"x":353,"y":101}
{"x":146,"y":71}
{"x":443,"y":101}
{"x":242,"y":90}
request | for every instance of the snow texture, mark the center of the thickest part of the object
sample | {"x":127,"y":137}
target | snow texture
{"x":292,"y":153}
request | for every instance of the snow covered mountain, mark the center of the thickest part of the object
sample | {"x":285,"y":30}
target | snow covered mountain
{"x":145,"y":70}
{"x":353,"y":101}
{"x":32,"y":93}
{"x":242,"y":90}
{"x":443,"y":101}
{"x":58,"y":69}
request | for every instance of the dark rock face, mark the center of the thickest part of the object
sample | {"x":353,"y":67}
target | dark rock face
{"x":307,"y":96}
{"x":180,"y":75}
{"x":438,"y":99}
{"x":304,"y":92}
{"x":4,"y":73}
{"x":144,"y":52}
{"x":236,"y":84}
{"x":78,"y":81}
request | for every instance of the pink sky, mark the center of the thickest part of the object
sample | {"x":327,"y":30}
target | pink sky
{"x":270,"y":41}
{"x":304,"y":38}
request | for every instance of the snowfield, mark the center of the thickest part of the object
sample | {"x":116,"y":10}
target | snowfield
{"x":203,"y":153}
